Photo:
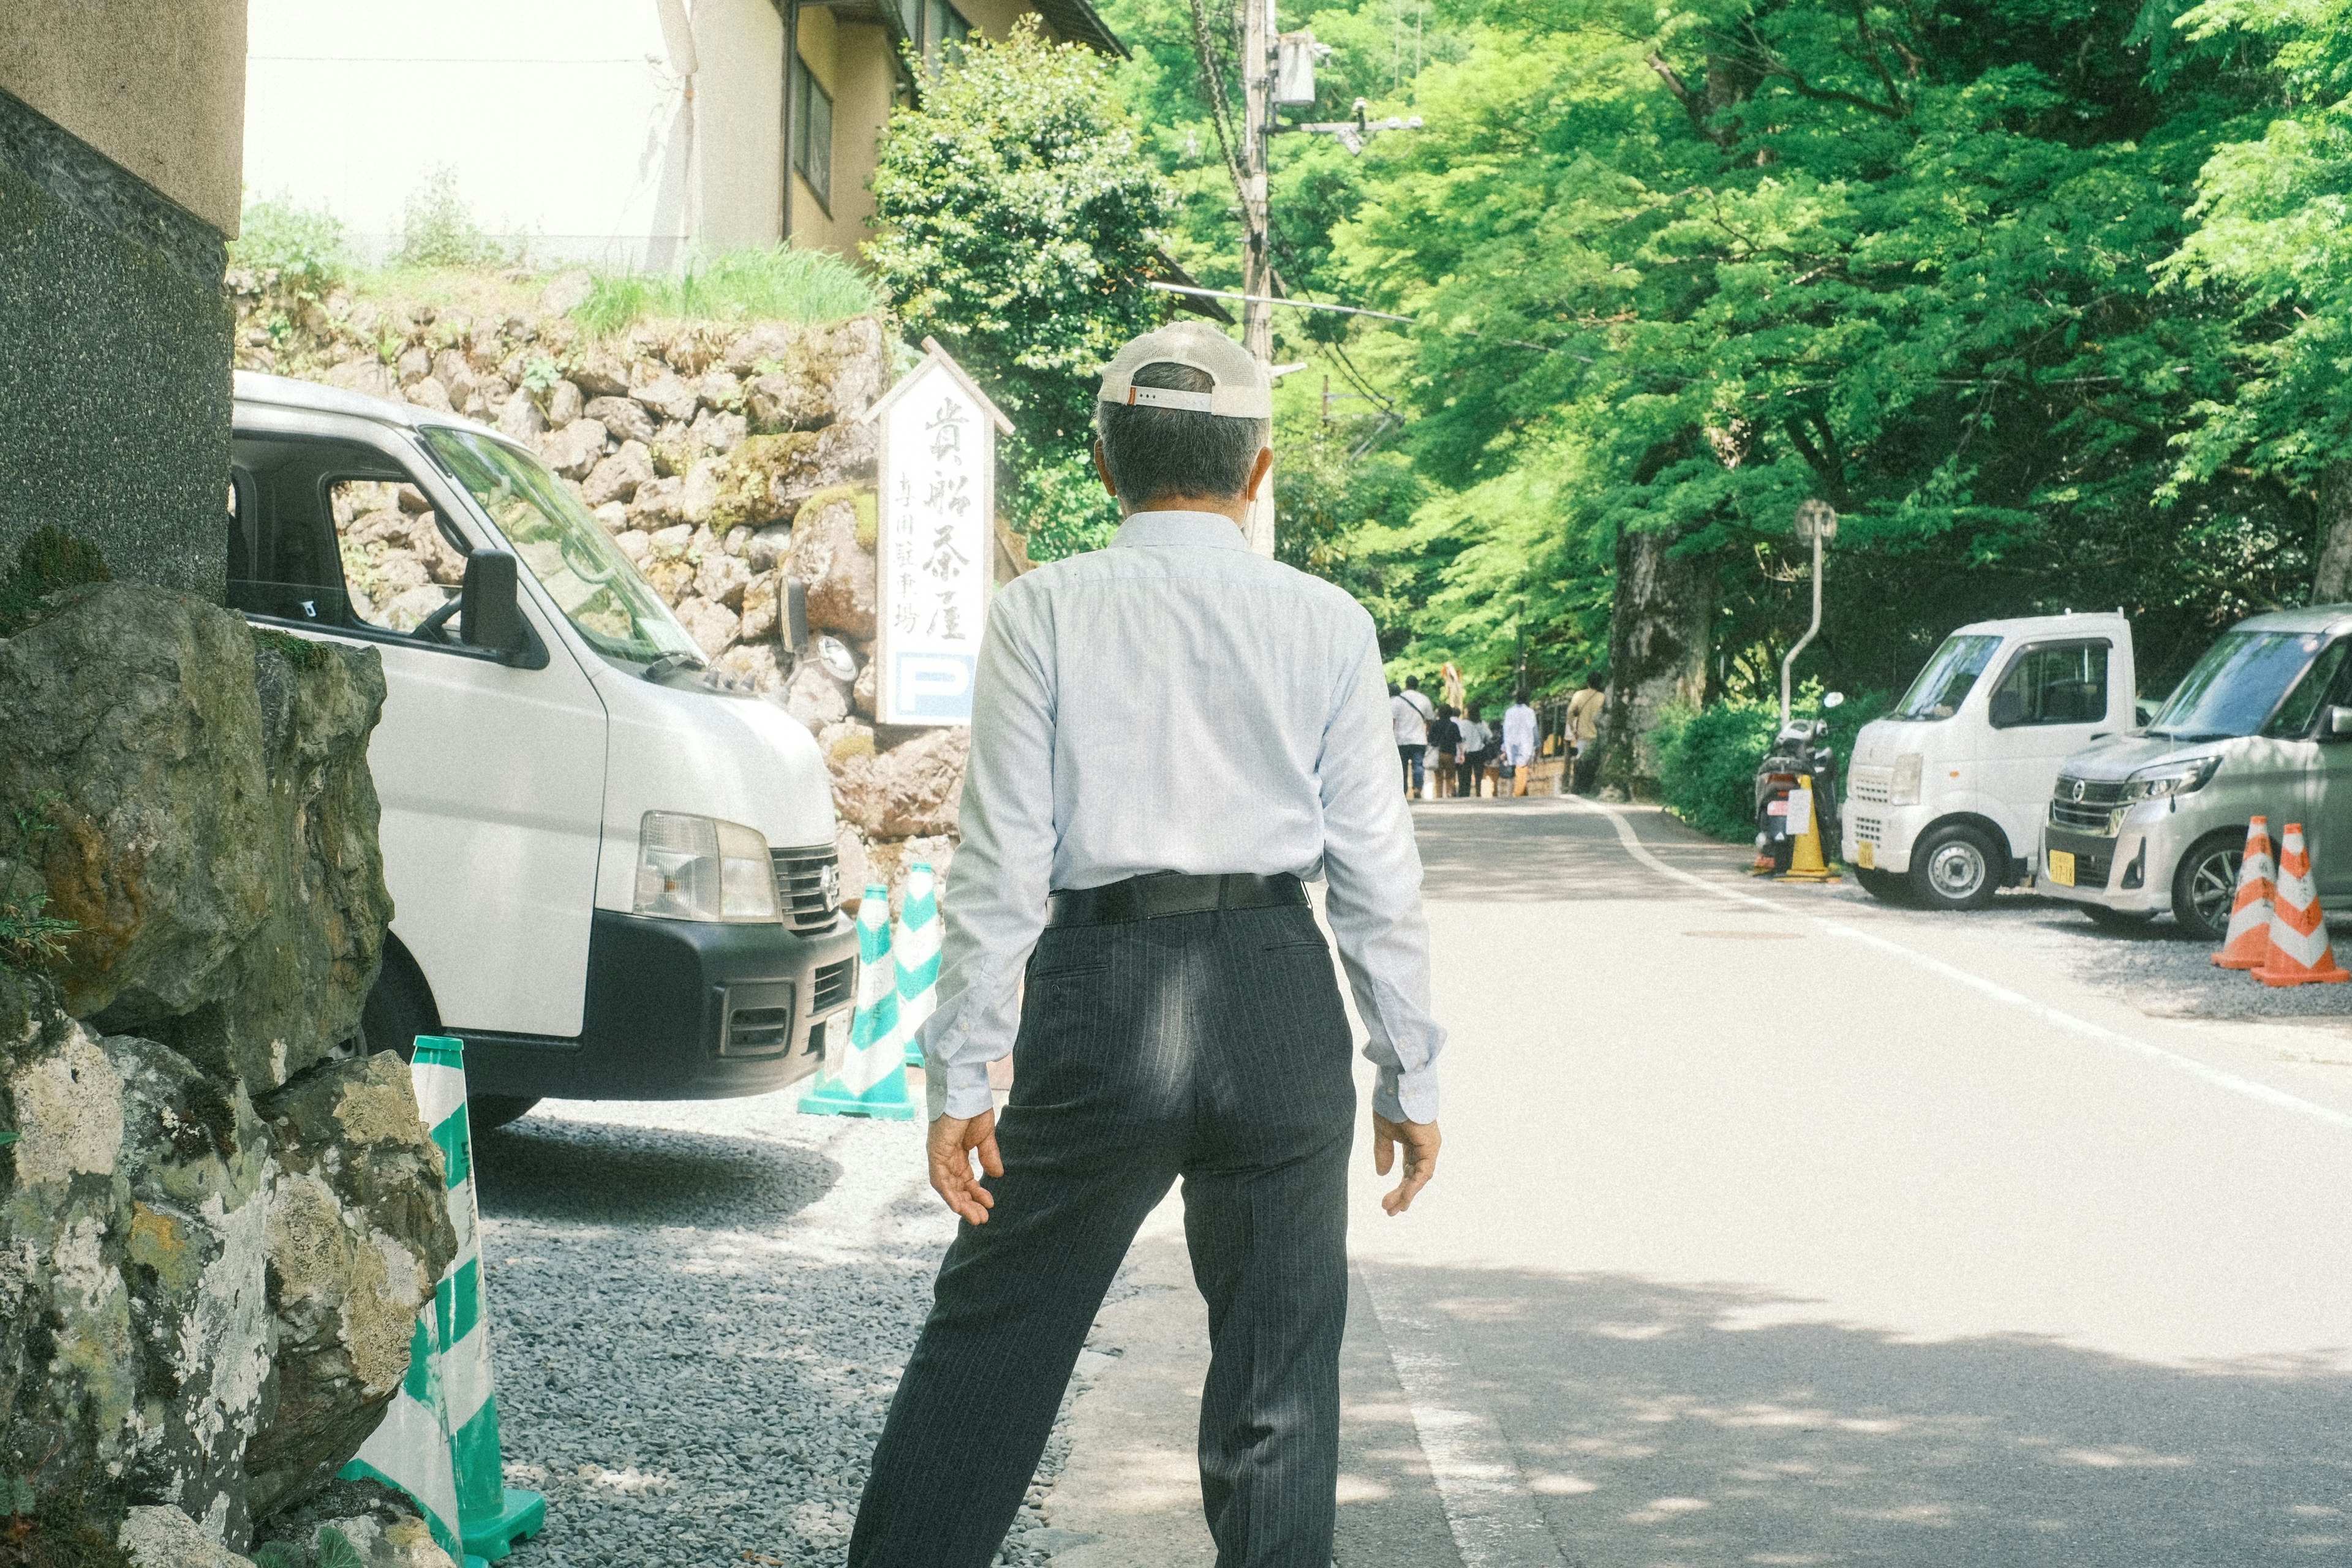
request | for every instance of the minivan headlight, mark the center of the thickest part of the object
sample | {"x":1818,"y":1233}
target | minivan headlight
{"x":1903,"y":786}
{"x":699,"y":868}
{"x":2167,"y":779}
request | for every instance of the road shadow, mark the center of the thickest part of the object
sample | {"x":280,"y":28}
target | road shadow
{"x":594,"y":1173}
{"x":1548,"y":851}
{"x":1661,"y":1424}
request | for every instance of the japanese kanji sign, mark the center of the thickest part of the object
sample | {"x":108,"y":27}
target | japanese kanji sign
{"x":937,"y":518}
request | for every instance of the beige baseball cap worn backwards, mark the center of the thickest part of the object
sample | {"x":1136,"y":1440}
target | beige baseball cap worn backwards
{"x":1242,"y":391}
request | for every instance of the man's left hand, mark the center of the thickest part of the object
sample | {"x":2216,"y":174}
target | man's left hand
{"x":953,"y":1141}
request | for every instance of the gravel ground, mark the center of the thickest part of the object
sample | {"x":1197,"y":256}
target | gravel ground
{"x":699,"y":1312}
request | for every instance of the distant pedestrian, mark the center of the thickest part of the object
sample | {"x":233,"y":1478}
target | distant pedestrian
{"x":1412,"y":714}
{"x":1132,"y":841}
{"x":1472,"y":755}
{"x":1584,"y":732}
{"x":1518,"y":741}
{"x":1445,"y":744}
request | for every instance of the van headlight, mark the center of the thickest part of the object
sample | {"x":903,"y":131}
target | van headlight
{"x":1903,"y":784}
{"x":2167,"y":779}
{"x":699,"y":868}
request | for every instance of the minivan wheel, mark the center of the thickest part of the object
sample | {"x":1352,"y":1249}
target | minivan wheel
{"x":400,"y":1006}
{"x":485,"y":1112}
{"x":1887,"y":887}
{"x":2106,"y":919}
{"x":1954,"y":869}
{"x":2205,"y":884}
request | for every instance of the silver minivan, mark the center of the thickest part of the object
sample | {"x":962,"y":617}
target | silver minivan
{"x":2156,"y":819}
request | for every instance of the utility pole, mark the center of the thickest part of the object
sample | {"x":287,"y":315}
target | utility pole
{"x":1257,"y":257}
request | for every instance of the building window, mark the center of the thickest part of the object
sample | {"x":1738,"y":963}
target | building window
{"x":944,"y":31}
{"x":813,"y":133}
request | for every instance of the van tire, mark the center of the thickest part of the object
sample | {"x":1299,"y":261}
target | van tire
{"x":2204,"y":884}
{"x":1956,"y":866}
{"x":486,"y":1112}
{"x":399,"y":1006}
{"x":2106,"y":919}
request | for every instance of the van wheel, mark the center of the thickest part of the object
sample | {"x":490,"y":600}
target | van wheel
{"x":1953,"y":868}
{"x":400,"y":1006}
{"x":2205,"y":884}
{"x":1887,"y":887}
{"x":486,"y":1112}
{"x":2106,"y":919}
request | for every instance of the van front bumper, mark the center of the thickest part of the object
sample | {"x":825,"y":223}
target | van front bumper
{"x":2130,"y":873}
{"x":684,"y":1010}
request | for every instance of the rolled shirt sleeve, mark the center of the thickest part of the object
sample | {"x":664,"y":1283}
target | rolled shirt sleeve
{"x":1373,"y":869}
{"x":996,"y":906}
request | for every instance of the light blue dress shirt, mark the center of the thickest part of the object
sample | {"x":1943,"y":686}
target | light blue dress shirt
{"x":1176,"y":702}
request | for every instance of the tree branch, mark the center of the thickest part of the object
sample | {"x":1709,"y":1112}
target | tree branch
{"x":1691,"y":105}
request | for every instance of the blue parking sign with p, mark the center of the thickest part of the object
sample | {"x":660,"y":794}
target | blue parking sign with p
{"x":932,"y":685}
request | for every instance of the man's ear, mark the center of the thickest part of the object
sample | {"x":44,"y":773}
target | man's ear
{"x":1103,"y":469}
{"x":1259,"y":471}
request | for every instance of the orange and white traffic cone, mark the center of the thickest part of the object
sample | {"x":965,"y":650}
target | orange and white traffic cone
{"x":2300,"y":952}
{"x":2248,"y":944}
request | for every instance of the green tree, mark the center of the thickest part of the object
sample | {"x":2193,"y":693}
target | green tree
{"x":1021,"y":222}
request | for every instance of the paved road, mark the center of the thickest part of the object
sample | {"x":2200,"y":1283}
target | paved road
{"x":1778,"y":1227}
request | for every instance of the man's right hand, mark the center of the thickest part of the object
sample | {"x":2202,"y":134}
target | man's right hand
{"x":952,"y":1143}
{"x":1421,"y":1140}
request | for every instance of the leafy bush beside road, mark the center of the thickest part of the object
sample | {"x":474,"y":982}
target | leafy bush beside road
{"x":1708,"y":756}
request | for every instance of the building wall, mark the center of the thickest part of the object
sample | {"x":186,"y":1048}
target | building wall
{"x":739,"y":100}
{"x":854,"y":62}
{"x":114,"y":333}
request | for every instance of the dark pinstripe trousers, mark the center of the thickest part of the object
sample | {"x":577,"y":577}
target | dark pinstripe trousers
{"x":1210,"y":1046}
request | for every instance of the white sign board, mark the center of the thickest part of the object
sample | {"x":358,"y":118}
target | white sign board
{"x":936,"y":540}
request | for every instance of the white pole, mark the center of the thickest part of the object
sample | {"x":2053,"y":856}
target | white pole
{"x":1790,"y":660}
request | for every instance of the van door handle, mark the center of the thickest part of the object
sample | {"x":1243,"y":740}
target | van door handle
{"x":2101,"y":734}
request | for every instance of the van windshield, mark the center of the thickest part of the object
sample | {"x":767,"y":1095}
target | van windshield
{"x":566,"y":549}
{"x":2236,"y":686}
{"x":1949,"y":677}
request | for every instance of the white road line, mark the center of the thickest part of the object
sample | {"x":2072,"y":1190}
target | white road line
{"x":1488,"y":1505}
{"x":2057,"y":1019}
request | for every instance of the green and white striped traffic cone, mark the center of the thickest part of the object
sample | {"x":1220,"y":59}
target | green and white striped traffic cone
{"x":868,"y":1077}
{"x":409,"y":1449}
{"x":489,"y":1516}
{"x":918,"y":957}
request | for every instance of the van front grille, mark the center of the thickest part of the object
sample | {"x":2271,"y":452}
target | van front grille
{"x":836,"y":983}
{"x":1870,"y":784}
{"x":759,"y":1031}
{"x":1869,"y":829}
{"x":808,"y":885}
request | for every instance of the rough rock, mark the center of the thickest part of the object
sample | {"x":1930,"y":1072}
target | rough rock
{"x":573,"y":450}
{"x":459,"y":381}
{"x":758,"y":606}
{"x":712,"y":626}
{"x":767,"y":546}
{"x":215,"y":824}
{"x":722,"y":579}
{"x":380,"y":1525}
{"x":657,"y":502}
{"x":154,"y":1537}
{"x":861,"y":694}
{"x":751,"y":664}
{"x":520,"y":417}
{"x":719,"y":431}
{"x":566,"y":291}
{"x":668,"y":394}
{"x":565,"y":404}
{"x":636,"y":545}
{"x":720,"y":389}
{"x":390,"y":532}
{"x":370,"y":377}
{"x":840,"y":570}
{"x":415,"y":363}
{"x":358,"y":1235}
{"x":615,"y":517}
{"x":426,"y":392}
{"x":909,"y":789}
{"x":671,"y":580}
{"x":600,"y":372}
{"x":616,"y":478}
{"x":856,"y":869}
{"x":671,"y":543}
{"x":815,"y":696}
{"x":623,"y":418}
{"x":699,"y":494}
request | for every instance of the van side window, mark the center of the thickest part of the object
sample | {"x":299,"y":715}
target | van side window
{"x":2323,"y":683}
{"x":332,"y":533}
{"x":2052,"y":683}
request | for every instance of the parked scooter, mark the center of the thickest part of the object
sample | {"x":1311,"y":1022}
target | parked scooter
{"x":1799,"y":759}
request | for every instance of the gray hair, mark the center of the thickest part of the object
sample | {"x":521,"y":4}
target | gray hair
{"x":1155,"y":452}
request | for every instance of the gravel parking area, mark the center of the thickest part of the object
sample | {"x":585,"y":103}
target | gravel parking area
{"x":699,"y":1313}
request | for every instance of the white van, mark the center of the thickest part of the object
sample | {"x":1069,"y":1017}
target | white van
{"x":612,"y":874}
{"x":1945,"y":795}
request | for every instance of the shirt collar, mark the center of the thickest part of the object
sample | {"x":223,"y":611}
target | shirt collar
{"x":1147,"y":529}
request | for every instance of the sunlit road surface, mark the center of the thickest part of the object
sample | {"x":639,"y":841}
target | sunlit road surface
{"x":1776,"y":1228}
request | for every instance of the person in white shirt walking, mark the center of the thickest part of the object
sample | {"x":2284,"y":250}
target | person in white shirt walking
{"x":1128,"y":917}
{"x":1411,"y":715}
{"x":1469,"y":759}
{"x":1518,"y":741}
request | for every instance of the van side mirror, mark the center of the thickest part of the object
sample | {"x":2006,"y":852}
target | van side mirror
{"x":2336,"y":725}
{"x":489,"y":610}
{"x":795,"y":626}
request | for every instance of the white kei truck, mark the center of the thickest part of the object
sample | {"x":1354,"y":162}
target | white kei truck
{"x":614,"y":873}
{"x":1945,"y":795}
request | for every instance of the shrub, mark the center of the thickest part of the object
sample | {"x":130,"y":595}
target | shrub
{"x":437,"y":228}
{"x":1708,"y":758}
{"x":779,"y":283}
{"x":303,"y":245}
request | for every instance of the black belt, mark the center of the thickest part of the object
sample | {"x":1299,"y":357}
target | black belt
{"x":1165,"y":893}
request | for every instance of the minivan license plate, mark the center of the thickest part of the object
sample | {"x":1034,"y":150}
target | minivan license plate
{"x":2062,"y":868}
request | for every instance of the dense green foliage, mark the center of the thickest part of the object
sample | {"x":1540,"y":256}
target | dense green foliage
{"x":304,"y":246}
{"x":1021,"y":225}
{"x":1711,"y":754}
